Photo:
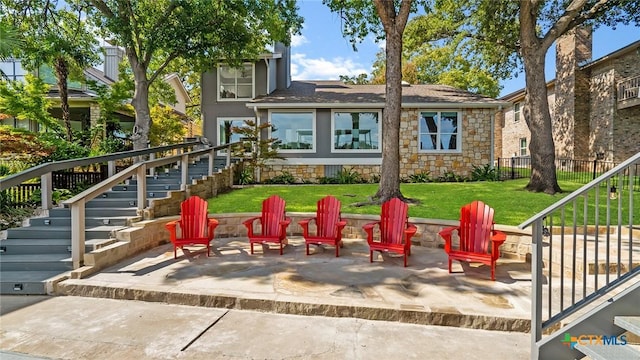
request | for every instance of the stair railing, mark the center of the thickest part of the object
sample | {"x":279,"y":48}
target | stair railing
{"x":139,"y":172}
{"x":44,"y":171}
{"x":583,"y":247}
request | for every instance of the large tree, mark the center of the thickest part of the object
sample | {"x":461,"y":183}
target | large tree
{"x":154,"y":33}
{"x":55,"y":34}
{"x":386,"y":20}
{"x":524,"y":31}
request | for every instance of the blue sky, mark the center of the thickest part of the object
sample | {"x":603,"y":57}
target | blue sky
{"x":322,"y":53}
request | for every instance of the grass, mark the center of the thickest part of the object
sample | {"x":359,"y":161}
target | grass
{"x":512,"y":203}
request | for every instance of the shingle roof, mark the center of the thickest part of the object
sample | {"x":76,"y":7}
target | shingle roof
{"x":337,"y":92}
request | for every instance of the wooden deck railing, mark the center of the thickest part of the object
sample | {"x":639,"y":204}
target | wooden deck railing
{"x":629,"y":88}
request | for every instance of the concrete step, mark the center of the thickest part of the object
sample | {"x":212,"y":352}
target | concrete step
{"x":96,"y":212}
{"x":616,"y":350}
{"x":88,"y":221}
{"x":629,"y":323}
{"x":150,"y":187}
{"x":59,"y":232}
{"x":132,"y":194}
{"x":47,"y":246}
{"x":111,"y":203}
{"x":25,"y":282}
{"x":36,"y":262}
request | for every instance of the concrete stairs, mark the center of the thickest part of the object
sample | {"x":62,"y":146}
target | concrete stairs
{"x":33,"y":254}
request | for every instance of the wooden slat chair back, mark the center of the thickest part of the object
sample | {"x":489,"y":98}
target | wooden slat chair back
{"x":273,"y":223}
{"x":329,"y":225}
{"x":196,"y":228}
{"x":395,"y":230}
{"x":478,"y":240}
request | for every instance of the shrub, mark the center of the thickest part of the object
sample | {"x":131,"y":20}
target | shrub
{"x":449,"y":176}
{"x":246,"y":176}
{"x":348,"y":176}
{"x":327,"y":180}
{"x":421,"y":177}
{"x":284,"y":178}
{"x":484,"y":173}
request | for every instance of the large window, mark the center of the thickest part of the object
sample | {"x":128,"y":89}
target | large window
{"x":440,"y":131}
{"x":293,"y":130}
{"x":235,"y":83}
{"x":225,"y":126}
{"x":516,"y":112}
{"x":356,"y":131}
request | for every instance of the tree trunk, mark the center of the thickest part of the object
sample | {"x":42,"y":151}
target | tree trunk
{"x":62,"y":74}
{"x":390,"y":176}
{"x":140,"y":103}
{"x":536,"y":111}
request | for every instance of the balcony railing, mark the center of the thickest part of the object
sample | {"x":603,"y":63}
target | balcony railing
{"x":628,"y":88}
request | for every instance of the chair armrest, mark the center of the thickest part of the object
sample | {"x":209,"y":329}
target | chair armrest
{"x":304,"y":223}
{"x":211,"y":225}
{"x":339,"y":226}
{"x":409,"y":232}
{"x":171,"y":226}
{"x":368,"y":228}
{"x":497,"y":239}
{"x":446,"y":235}
{"x":249,"y":225}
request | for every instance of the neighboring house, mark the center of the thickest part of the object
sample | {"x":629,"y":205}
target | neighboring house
{"x":325,"y":126}
{"x":84,"y":109}
{"x":594,"y":105}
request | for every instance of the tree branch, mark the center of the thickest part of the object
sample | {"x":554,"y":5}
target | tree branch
{"x":166,"y":63}
{"x":104,"y":9}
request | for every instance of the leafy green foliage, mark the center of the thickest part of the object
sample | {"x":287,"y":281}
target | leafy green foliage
{"x":62,"y":149}
{"x":450,"y":176}
{"x":348,"y":176}
{"x":167,"y":127}
{"x":421,"y":177}
{"x":484,"y":173}
{"x":256,"y":149}
{"x":27,"y":101}
{"x":284,"y":178}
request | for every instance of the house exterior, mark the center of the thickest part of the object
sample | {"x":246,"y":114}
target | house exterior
{"x":83,"y":105}
{"x":594,"y":104}
{"x":326,"y":126}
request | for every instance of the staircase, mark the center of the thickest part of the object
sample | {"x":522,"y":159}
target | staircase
{"x":585,"y":267}
{"x":31,"y":255}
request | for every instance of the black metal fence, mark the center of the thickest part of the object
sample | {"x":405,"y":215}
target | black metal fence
{"x":578,"y":171}
{"x":26,"y":194}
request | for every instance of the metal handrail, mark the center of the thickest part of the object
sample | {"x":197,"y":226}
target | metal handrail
{"x":139,"y":170}
{"x":42,"y":169}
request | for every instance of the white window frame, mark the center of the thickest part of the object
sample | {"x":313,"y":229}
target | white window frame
{"x":458,"y":149}
{"x":361,"y":151}
{"x":517,"y":110}
{"x":219,"y":121}
{"x":253,"y":83}
{"x":523,"y":150}
{"x":313,"y":129}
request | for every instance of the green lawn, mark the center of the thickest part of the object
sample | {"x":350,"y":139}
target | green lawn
{"x":512,"y":203}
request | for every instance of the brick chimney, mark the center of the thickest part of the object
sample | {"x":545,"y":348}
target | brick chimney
{"x":113,"y":55}
{"x":571,"y":122}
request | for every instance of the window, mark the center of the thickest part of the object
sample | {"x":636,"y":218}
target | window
{"x":523,"y":146}
{"x":356,"y":131}
{"x":225,"y":133}
{"x":439,"y":131}
{"x":516,"y":112}
{"x":235,"y":83}
{"x":13,"y":70}
{"x":293,"y":130}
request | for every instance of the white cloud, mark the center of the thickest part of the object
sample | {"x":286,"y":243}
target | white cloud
{"x":297,"y":40}
{"x":303,"y":68}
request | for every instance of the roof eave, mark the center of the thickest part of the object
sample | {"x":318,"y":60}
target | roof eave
{"x":377,"y":105}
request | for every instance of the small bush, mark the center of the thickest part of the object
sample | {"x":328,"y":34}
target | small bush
{"x":327,"y":180}
{"x":484,"y":173}
{"x":284,"y":178}
{"x":450,"y":176}
{"x":348,"y":176}
{"x":421,"y":177}
{"x":246,"y":176}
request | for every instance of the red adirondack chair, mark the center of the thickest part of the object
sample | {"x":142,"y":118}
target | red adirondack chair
{"x":479,"y":242}
{"x":196,"y":228}
{"x":273,"y":223}
{"x":395,"y":230}
{"x":329,"y":225}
